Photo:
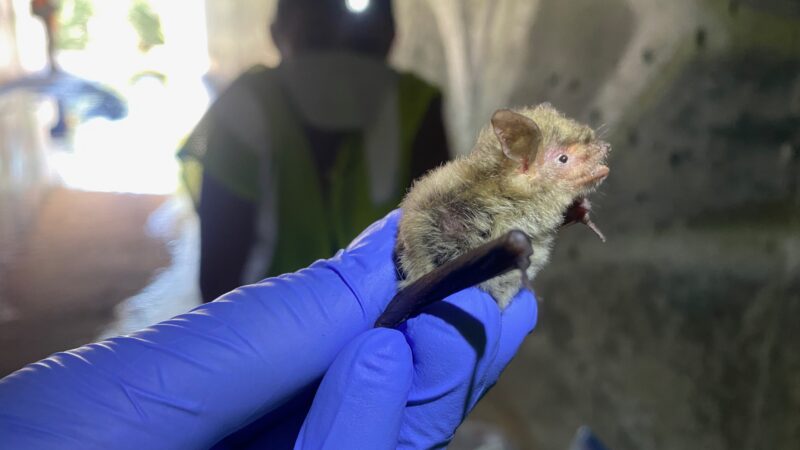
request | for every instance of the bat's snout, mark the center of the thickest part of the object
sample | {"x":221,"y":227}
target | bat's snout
{"x":601,"y":173}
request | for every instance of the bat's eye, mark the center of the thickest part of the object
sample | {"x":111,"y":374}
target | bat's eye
{"x":563,"y":159}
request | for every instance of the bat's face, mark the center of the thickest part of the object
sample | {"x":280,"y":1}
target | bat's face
{"x":552,"y":149}
{"x":549,"y":150}
{"x":581,"y":167}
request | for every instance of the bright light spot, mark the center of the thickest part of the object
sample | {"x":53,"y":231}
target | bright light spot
{"x":30,"y":37}
{"x":137,"y":153}
{"x":357,"y":6}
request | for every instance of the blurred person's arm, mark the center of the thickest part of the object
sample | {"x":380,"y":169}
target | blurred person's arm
{"x":430,"y":145}
{"x":227,"y":144}
{"x":227,"y":231}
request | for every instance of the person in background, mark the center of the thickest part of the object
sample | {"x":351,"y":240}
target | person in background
{"x":294,"y":161}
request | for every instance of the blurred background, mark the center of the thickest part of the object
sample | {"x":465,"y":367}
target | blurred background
{"x":680,"y":332}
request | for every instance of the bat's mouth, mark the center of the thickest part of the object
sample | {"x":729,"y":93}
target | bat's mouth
{"x":592,"y":180}
{"x":578,"y":212}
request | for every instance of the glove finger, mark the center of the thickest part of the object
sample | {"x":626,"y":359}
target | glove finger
{"x":361,"y":401}
{"x":454,"y":344}
{"x":518,"y":321}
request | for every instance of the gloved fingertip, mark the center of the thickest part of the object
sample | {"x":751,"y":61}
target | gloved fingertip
{"x":379,"y":359}
{"x":361,"y":400}
{"x":458,"y":336}
{"x":384,"y":352}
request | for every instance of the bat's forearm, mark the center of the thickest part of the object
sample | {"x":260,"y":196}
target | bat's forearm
{"x":511,"y":251}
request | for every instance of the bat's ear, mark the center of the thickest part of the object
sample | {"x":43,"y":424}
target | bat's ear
{"x":519,"y":136}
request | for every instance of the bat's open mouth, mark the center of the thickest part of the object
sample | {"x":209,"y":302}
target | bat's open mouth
{"x":578,"y":212}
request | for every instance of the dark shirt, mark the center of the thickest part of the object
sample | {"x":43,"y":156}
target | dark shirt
{"x":227,"y":222}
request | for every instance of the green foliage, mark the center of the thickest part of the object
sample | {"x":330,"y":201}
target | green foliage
{"x":72,"y":18}
{"x":147,"y":24}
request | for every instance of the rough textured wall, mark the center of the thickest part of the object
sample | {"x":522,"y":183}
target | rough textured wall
{"x":678,"y":333}
{"x":681,"y":331}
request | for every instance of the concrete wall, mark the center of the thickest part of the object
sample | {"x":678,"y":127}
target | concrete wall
{"x":680,"y":331}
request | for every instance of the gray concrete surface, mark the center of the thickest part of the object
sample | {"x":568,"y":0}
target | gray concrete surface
{"x":681,"y":331}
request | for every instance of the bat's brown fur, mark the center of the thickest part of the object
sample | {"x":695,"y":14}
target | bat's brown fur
{"x":476,"y":198}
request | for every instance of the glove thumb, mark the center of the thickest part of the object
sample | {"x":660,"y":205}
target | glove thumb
{"x":361,"y":401}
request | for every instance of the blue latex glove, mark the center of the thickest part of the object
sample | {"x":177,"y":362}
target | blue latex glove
{"x":255,"y":357}
{"x":413,"y":388}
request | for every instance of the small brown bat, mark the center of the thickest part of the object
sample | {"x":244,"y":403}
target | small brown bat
{"x":530,"y":170}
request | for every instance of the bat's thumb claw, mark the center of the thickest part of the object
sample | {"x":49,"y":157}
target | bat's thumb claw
{"x":594,"y":228}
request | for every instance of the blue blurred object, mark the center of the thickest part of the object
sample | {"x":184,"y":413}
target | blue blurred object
{"x":75,"y":96}
{"x":585,"y":439}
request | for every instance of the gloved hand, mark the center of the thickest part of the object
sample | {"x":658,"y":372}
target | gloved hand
{"x":254,"y":357}
{"x":376,"y":395}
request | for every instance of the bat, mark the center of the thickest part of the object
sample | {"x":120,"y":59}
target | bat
{"x":530,"y":172}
